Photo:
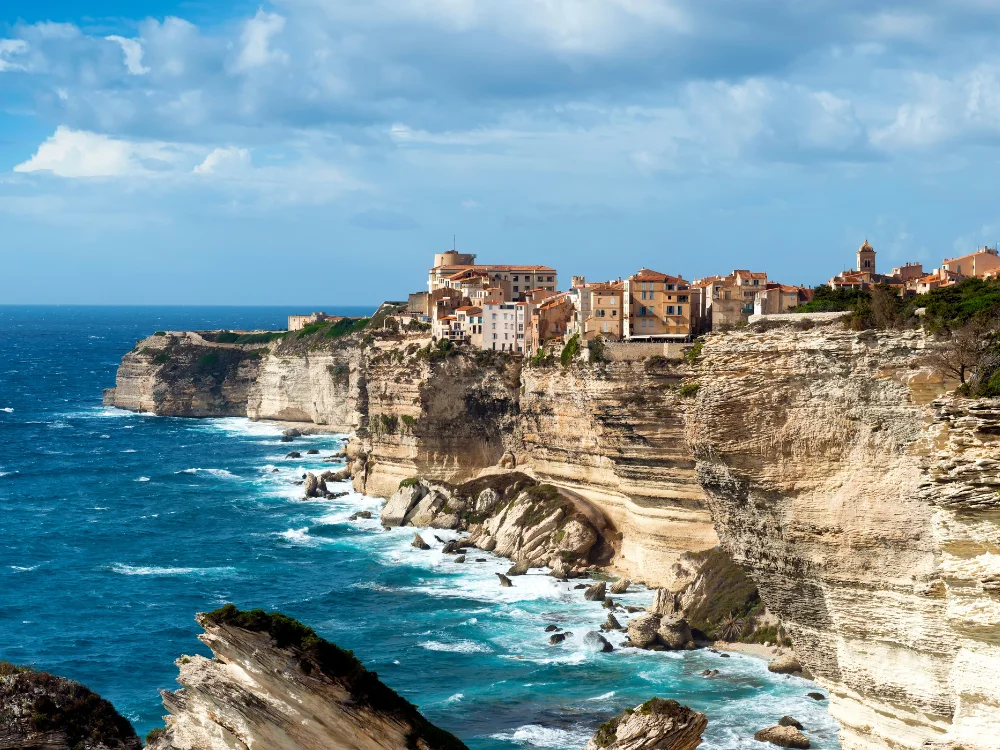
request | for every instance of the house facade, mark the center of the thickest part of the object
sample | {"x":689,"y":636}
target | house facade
{"x":659,"y":306}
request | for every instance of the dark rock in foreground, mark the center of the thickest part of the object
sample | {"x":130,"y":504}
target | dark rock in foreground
{"x":655,"y":725}
{"x":275,"y":684}
{"x":783,"y":736}
{"x":39,"y":711}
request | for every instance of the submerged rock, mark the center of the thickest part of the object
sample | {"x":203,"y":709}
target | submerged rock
{"x":39,"y":711}
{"x":275,"y":684}
{"x":419,"y":543}
{"x":597,"y":642}
{"x":788,"y":721}
{"x":551,"y":628}
{"x":816,"y":696}
{"x":783,"y":736}
{"x":312,"y":452}
{"x":367,"y":514}
{"x":519,"y":568}
{"x":293,"y":454}
{"x":505,"y":582}
{"x":556,"y":638}
{"x":460,"y":558}
{"x":655,"y":725}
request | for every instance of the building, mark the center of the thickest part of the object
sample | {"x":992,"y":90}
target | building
{"x":522,"y":279}
{"x":937,"y":278}
{"x":551,"y":320}
{"x":978,"y":264}
{"x":298,"y":322}
{"x":505,"y":326}
{"x":598,"y":309}
{"x":470,"y":320}
{"x":658,"y":306}
{"x":727,"y":301}
{"x":775,"y":299}
{"x":866,"y":276}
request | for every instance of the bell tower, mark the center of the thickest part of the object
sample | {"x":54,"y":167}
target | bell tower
{"x":866,"y":258}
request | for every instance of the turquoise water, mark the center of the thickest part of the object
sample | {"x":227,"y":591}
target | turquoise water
{"x":119,"y":527}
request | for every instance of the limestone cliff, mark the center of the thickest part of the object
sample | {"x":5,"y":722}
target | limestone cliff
{"x":185,"y":375}
{"x":867,"y":513}
{"x":445,"y":418}
{"x":274,"y":684}
{"x":614,"y":433}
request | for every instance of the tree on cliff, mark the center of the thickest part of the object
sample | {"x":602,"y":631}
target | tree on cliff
{"x":971,"y":353}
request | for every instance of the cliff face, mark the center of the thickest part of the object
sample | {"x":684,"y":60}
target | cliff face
{"x":615,"y":434}
{"x":867,"y":514}
{"x":274,"y":684}
{"x":324,"y":386}
{"x":445,"y":420}
{"x":183,"y":375}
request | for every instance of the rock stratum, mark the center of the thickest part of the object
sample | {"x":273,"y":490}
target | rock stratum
{"x":273,"y":683}
{"x":860,"y":498}
{"x":866,"y":510}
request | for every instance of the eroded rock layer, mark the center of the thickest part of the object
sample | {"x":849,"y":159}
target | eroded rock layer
{"x":867,"y":513}
{"x":614,"y":433}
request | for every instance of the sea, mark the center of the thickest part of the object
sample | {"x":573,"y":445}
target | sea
{"x":119,"y":527}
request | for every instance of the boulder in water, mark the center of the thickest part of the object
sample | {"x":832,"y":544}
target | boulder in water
{"x":293,"y":454}
{"x":596,"y":593}
{"x":460,"y":558}
{"x":783,"y":736}
{"x":816,"y":696}
{"x":419,"y":543}
{"x":597,"y":642}
{"x":788,"y":721}
{"x":556,"y":638}
{"x":360,"y":514}
{"x":519,"y":568}
{"x":312,"y":452}
{"x":787,"y":664}
{"x":675,"y":633}
{"x":505,"y":582}
{"x":611,"y":623}
{"x":621,"y":586}
{"x":551,"y":628}
{"x":642,"y":630}
{"x":655,"y":725}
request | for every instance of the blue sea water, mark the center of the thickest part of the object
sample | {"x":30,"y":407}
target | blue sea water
{"x":117,"y":528}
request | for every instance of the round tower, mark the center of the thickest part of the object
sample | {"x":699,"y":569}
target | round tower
{"x":454,"y":258}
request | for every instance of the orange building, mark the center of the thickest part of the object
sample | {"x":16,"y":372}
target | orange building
{"x":659,"y":306}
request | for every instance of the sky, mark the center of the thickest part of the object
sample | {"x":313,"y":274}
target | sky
{"x":318,"y":152}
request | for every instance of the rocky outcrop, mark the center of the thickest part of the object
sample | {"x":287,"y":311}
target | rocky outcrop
{"x":866,"y":512}
{"x":185,"y":375}
{"x":614,"y":434}
{"x":655,"y":725}
{"x":39,"y":711}
{"x":783,"y":736}
{"x":274,"y":684}
{"x":509,"y":514}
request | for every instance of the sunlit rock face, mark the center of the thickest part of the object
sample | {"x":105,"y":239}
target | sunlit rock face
{"x":867,"y":513}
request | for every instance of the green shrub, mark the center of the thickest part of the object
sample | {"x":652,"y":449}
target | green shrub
{"x":408,"y":421}
{"x":570,"y":350}
{"x":155,"y":734}
{"x":689,"y":390}
{"x":598,"y":350}
{"x":389,"y":423}
{"x":160,"y":333}
{"x":208,"y":360}
{"x":226,"y":337}
{"x":542,"y":358}
{"x":411,"y":482}
{"x":162,"y":358}
{"x":346,"y":326}
{"x":691,"y":355}
{"x":656,"y":363}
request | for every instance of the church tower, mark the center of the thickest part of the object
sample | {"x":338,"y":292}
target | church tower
{"x":866,"y":258}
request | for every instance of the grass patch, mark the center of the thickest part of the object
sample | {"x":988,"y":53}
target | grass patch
{"x":209,"y":360}
{"x":162,"y":358}
{"x":689,"y":390}
{"x":160,"y":333}
{"x":691,"y":355}
{"x":570,"y":351}
{"x":411,"y":482}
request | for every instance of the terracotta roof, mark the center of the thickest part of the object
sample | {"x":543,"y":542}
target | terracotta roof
{"x":750,"y":274}
{"x":645,"y":274}
{"x":467,"y":308}
{"x":980,"y":251}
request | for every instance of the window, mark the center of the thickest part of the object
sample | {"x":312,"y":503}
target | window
{"x":547,"y":278}
{"x":756,"y":282}
{"x":670,"y":287}
{"x":494,"y":336}
{"x":682,"y":298}
{"x":515,"y":279}
{"x":669,"y":310}
{"x":515,"y":288}
{"x":614,"y":313}
{"x":494,"y":316}
{"x":680,"y":310}
{"x":644,"y":295}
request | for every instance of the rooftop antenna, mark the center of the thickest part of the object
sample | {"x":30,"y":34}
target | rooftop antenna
{"x":453,"y":242}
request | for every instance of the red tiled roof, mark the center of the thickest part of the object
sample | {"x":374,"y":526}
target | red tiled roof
{"x":645,"y":274}
{"x":487,"y":267}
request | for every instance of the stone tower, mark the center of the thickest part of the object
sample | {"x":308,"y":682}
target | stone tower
{"x":866,"y":258}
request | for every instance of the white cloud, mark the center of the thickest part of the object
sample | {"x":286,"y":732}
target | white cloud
{"x":471,"y":205}
{"x":9,"y":48}
{"x":256,"y":40}
{"x":224,"y":160}
{"x":132,"y":49}
{"x":78,"y":153}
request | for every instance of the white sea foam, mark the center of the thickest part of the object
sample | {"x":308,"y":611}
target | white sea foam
{"x":142,"y":479}
{"x":300,"y":537}
{"x":458,"y":647}
{"x":455,"y":698}
{"x":24,"y":569}
{"x":152,"y":570}
{"x":535,"y":735}
{"x":7,"y":409}
{"x":7,"y":473}
{"x":603,"y":697}
{"x":213,"y":472}
{"x":99,"y":507}
{"x":130,"y":450}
